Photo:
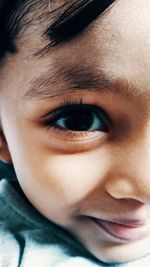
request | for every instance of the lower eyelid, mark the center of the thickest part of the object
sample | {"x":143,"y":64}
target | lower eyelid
{"x":73,"y":136}
{"x":71,"y":144}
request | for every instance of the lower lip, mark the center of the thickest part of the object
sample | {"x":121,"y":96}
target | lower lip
{"x":124,"y":232}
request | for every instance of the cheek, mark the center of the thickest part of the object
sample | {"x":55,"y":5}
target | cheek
{"x":62,"y":182}
{"x":71,"y":178}
{"x":55,"y":183}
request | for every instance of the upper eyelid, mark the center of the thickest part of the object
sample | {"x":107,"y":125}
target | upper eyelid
{"x":64,"y":108}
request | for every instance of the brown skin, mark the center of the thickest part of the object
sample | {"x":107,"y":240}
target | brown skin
{"x":100,"y":174}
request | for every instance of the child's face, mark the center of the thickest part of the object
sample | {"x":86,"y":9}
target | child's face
{"x":73,"y":176}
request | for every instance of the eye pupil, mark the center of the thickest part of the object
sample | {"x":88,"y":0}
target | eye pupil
{"x":79,"y":120}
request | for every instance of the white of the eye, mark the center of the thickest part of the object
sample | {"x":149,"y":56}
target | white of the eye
{"x":96,"y":123}
{"x":61,"y":122}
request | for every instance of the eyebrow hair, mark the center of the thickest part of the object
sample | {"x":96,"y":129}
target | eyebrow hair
{"x":70,"y":21}
{"x":72,"y":80}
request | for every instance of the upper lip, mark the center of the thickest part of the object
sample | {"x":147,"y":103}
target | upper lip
{"x":125,"y":221}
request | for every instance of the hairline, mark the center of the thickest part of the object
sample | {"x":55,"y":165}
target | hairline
{"x":24,"y":15}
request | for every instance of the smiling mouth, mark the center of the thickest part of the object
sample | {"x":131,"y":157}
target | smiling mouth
{"x":124,"y":230}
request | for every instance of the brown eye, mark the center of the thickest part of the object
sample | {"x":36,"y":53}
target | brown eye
{"x":81,"y":118}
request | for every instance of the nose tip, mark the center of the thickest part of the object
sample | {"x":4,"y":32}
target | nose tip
{"x":129,"y":189}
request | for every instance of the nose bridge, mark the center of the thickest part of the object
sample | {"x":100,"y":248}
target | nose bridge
{"x":130,"y":178}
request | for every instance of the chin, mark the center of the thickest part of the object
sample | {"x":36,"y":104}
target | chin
{"x":119,"y":253}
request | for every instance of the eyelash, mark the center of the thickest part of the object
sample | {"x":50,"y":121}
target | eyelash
{"x":51,"y":119}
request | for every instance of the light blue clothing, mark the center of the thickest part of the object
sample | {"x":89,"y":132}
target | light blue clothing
{"x":27,"y":239}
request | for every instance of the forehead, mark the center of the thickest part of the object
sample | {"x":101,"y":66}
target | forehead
{"x":125,"y":24}
{"x":120,"y":42}
{"x":117,"y":44}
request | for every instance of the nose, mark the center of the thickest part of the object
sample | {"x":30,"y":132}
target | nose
{"x":130,"y":179}
{"x":129,"y":188}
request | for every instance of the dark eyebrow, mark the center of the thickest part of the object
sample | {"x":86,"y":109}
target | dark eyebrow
{"x":70,"y":20}
{"x":70,"y":80}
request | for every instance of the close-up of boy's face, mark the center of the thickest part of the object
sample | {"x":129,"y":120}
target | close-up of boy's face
{"x":75,"y":123}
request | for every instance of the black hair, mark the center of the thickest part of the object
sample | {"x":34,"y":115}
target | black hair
{"x":64,"y":22}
